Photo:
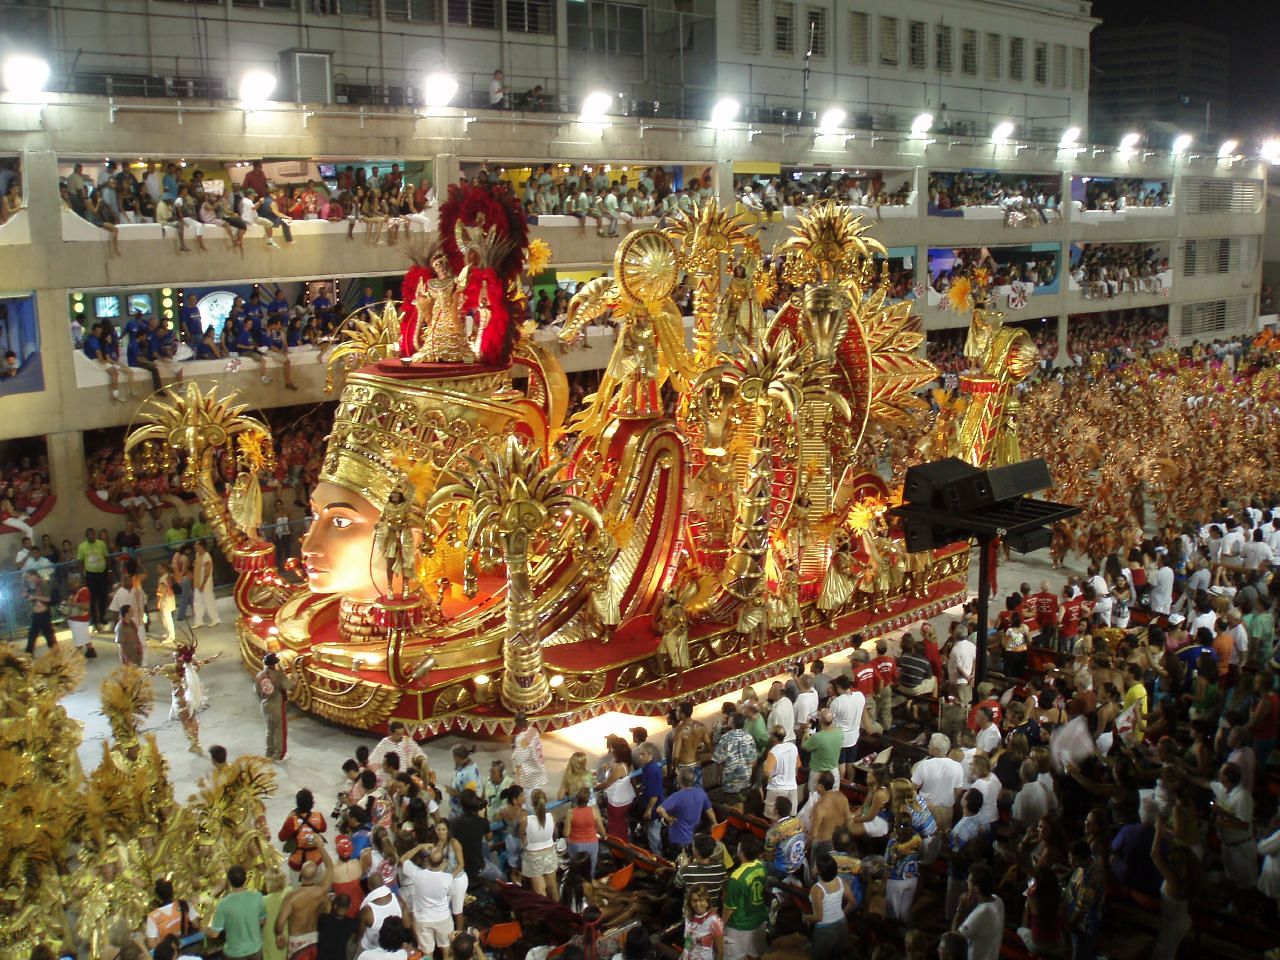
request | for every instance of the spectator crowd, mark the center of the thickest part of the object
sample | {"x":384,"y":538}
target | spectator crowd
{"x":975,"y":188}
{"x":1106,"y":270}
{"x":1122,"y":193}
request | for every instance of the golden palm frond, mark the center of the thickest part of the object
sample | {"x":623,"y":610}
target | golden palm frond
{"x":126,"y":701}
{"x":60,"y":671}
{"x":185,"y":417}
{"x":366,"y":341}
{"x":708,"y":233}
{"x":829,"y":243}
{"x":593,"y":300}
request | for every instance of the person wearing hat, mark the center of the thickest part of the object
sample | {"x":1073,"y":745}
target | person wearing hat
{"x":272,"y":687}
{"x":348,"y":875}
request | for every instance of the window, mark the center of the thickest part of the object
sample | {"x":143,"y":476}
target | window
{"x":1042,"y":64}
{"x":417,"y":11}
{"x":995,"y":48}
{"x":969,"y":52}
{"x":348,"y":8}
{"x":1059,"y":66}
{"x":784,"y":28}
{"x":942,"y":49}
{"x":1079,"y":69}
{"x":605,"y":27}
{"x":817,"y":31}
{"x":482,"y":14}
{"x":749,"y":26}
{"x":889,"y":41}
{"x":859,"y":37}
{"x":531,"y":16}
{"x":1017,"y":58}
{"x":1212,"y":195}
{"x":917,"y":44}
{"x":264,"y":4}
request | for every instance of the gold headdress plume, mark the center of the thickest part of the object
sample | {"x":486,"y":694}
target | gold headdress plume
{"x":830,"y":243}
{"x":126,"y":701}
{"x":365,"y":341}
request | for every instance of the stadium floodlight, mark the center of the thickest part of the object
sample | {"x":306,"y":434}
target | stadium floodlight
{"x":1129,"y":141}
{"x":724,"y":112}
{"x":922,"y":124}
{"x":257,"y":86}
{"x":1002,"y":132}
{"x":595,"y":106}
{"x":832,"y":119}
{"x":1070,"y":138}
{"x":1228,"y":149}
{"x":1182,"y":142}
{"x":25,"y":76}
{"x":1271,"y":151}
{"x":439,"y":89}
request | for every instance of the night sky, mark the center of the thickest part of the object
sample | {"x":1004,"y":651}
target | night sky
{"x":1254,"y":28}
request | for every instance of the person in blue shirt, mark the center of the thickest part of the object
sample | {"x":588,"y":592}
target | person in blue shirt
{"x":651,"y":790}
{"x":279,"y":306}
{"x":243,"y":344}
{"x":138,"y":349}
{"x":170,"y":183}
{"x":255,"y":313}
{"x":294,"y":333}
{"x":323,"y":307}
{"x":207,"y":348}
{"x":267,"y":211}
{"x":275,"y":344}
{"x":683,"y":809}
{"x":365,"y":300}
{"x":97,"y":348}
{"x":192,"y":322}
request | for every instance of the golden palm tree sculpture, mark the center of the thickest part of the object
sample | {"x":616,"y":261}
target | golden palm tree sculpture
{"x":517,"y":507}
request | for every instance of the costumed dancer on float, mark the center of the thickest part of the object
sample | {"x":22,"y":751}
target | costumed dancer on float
{"x":272,"y":687}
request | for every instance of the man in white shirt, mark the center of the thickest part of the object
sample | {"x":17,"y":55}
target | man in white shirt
{"x":1162,"y":585}
{"x":779,"y":773}
{"x":782,"y":712}
{"x":1233,"y":816}
{"x":960,"y":669}
{"x":1255,"y":553}
{"x":1034,"y":799}
{"x":806,"y":704}
{"x":980,"y":919}
{"x":1273,"y":536}
{"x":847,"y":710}
{"x":396,"y":741}
{"x":940,"y":780}
{"x":428,"y":896}
{"x":497,"y":91}
{"x":988,"y":733}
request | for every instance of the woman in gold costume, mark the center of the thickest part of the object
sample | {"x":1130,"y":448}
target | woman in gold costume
{"x":441,"y":335}
{"x":839,"y":584}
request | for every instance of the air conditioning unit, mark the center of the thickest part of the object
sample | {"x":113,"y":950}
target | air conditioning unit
{"x":307,"y":75}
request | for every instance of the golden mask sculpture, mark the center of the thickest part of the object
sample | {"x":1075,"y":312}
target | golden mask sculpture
{"x":663,"y":557}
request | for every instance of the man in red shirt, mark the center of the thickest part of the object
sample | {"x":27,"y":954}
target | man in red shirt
{"x":886,"y":669}
{"x":256,"y":180}
{"x":1044,"y":607}
{"x":929,"y":646}
{"x":1071,"y":611}
{"x":78,"y":616}
{"x":985,"y":699}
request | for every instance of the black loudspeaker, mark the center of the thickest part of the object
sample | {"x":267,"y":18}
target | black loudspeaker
{"x":989,"y":487}
{"x":921,"y":535}
{"x":1029,"y":541}
{"x":937,"y":484}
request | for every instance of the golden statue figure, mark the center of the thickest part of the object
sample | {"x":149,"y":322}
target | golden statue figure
{"x":604,"y":598}
{"x":441,"y":336}
{"x":840,"y":582}
{"x":393,"y":542}
{"x":1004,"y":357}
{"x":784,"y":604}
{"x":673,"y":623}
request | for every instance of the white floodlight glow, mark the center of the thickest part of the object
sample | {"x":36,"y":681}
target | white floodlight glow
{"x":724,"y":112}
{"x":1181,"y":142}
{"x":832,"y":119}
{"x":1070,"y":138}
{"x":439,"y":89}
{"x":922,"y":124}
{"x":257,"y":86}
{"x":1002,"y":132}
{"x":25,"y":76}
{"x":1228,"y":148}
{"x":595,"y":106}
{"x":1129,"y":141}
{"x":1271,"y":151}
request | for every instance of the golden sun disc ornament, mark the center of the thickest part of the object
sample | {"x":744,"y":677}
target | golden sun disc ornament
{"x":646,"y":267}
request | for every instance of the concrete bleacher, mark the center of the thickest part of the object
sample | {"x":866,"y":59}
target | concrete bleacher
{"x":17,"y":229}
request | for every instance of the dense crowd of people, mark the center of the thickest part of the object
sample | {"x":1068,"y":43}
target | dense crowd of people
{"x":1106,"y":270}
{"x":1122,"y":193}
{"x":948,"y":191}
{"x":1002,"y":266}
{"x":802,"y":189}
{"x":608,"y":198}
{"x":171,"y":195}
{"x":24,"y":485}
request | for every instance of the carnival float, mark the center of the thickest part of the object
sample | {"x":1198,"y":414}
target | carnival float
{"x":712,"y":513}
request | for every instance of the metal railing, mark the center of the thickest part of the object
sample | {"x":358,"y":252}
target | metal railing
{"x":15,"y":611}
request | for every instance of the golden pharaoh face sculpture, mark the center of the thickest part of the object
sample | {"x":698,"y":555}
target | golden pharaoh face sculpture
{"x":826,"y":308}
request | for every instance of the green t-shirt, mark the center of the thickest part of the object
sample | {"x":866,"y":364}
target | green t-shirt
{"x":200,"y":530}
{"x":174,"y":536}
{"x":93,"y":556}
{"x":239,"y":916}
{"x":759,"y":732}
{"x":745,"y":893}
{"x":824,"y":749}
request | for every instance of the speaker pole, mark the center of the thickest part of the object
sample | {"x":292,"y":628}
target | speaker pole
{"x":985,"y":541}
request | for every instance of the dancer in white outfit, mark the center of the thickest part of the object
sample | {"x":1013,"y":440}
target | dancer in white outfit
{"x":206,"y":604}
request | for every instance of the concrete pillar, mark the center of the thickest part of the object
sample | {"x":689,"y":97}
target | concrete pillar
{"x":1062,"y":359}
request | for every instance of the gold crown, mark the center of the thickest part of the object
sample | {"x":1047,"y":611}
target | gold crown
{"x":385,"y":423}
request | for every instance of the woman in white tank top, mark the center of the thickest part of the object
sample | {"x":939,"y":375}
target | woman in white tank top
{"x":619,"y":791}
{"x":539,"y":861}
{"x":830,"y":924}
